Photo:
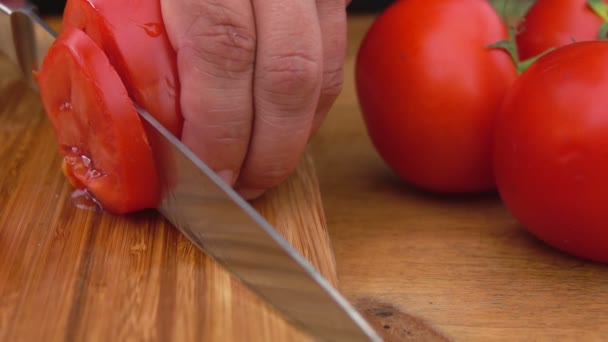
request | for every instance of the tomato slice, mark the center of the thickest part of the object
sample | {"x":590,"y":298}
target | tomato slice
{"x":133,"y":36}
{"x":100,"y":134}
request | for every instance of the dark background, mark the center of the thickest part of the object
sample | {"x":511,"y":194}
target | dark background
{"x":49,"y":6}
{"x":357,"y":6}
{"x":368,"y":5}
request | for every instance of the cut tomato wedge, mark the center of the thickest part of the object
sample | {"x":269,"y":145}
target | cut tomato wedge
{"x":104,"y":145}
{"x":133,"y":36}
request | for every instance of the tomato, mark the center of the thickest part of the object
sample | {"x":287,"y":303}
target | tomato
{"x":554,"y":23}
{"x":551,"y":149}
{"x":429,"y":89}
{"x":133,"y":36}
{"x":104,"y":146}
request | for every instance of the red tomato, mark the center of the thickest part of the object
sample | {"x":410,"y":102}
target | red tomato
{"x":101,"y":137}
{"x":132,"y":35}
{"x":554,"y":23}
{"x":551,"y":149}
{"x":429,"y":88}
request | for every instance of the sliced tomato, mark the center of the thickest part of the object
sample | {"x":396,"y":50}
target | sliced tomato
{"x":133,"y":36}
{"x":100,"y":134}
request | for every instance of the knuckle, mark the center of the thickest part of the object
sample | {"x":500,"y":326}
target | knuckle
{"x":219,"y":144}
{"x":222,"y":126}
{"x":333,"y":82}
{"x":291,"y":72}
{"x":291,"y":125}
{"x":272,"y":173}
{"x":228,"y":133}
{"x":335,"y":3}
{"x":222,"y":41}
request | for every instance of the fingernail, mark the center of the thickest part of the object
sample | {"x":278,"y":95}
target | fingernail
{"x":251,"y":194}
{"x":226,"y":176}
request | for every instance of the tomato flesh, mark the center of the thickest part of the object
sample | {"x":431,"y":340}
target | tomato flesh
{"x":551,"y":150}
{"x":429,"y":89}
{"x":132,"y":35}
{"x":104,"y":146}
{"x":555,"y":23}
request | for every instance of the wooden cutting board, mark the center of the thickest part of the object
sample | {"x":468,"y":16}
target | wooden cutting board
{"x":73,"y":274}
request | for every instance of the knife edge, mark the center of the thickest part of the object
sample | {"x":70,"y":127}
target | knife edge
{"x":313,"y":296}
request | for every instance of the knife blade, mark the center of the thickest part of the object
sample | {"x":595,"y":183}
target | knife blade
{"x":213,"y":216}
{"x":7,"y":43}
{"x":224,"y":225}
{"x":24,"y":38}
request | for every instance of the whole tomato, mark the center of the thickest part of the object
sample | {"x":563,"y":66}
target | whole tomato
{"x":554,"y":23}
{"x":429,"y":89}
{"x":551,"y":149}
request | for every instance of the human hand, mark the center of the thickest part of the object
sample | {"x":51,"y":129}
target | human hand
{"x":257,"y":79}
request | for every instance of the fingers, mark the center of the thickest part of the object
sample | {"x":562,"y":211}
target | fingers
{"x":287,"y":84}
{"x":332,"y":18}
{"x":276,"y":68}
{"x":215,"y":42}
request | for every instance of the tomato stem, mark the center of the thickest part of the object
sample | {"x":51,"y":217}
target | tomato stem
{"x":603,"y":31}
{"x":601,"y":9}
{"x":510,"y":45}
{"x":510,"y":48}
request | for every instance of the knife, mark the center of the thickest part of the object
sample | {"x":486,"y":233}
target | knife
{"x":211,"y":214}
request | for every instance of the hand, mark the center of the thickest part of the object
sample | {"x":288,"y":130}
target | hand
{"x":257,"y":79}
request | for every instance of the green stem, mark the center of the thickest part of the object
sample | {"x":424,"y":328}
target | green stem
{"x":603,"y":31}
{"x":510,"y":45}
{"x":601,"y":9}
{"x":523,"y":65}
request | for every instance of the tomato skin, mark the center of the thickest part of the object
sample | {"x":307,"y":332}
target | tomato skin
{"x":100,"y":135}
{"x":133,"y":36}
{"x":429,"y":88}
{"x":551,"y":150}
{"x":554,"y":23}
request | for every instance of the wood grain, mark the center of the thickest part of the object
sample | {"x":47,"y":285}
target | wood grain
{"x":461,"y":264}
{"x":76,"y":275}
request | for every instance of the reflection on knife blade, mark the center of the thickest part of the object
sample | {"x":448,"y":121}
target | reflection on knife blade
{"x":25,"y":39}
{"x":224,"y":225}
